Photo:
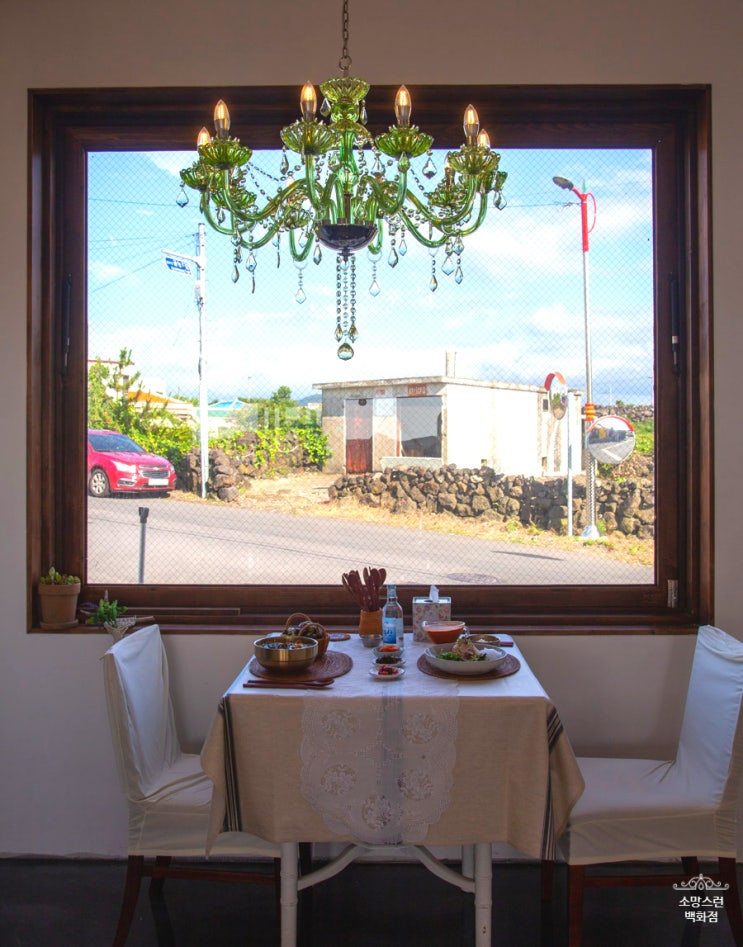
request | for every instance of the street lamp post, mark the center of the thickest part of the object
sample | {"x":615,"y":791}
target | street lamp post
{"x":591,"y":530}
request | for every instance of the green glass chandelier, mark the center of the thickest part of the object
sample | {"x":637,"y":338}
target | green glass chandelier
{"x":339,"y":198}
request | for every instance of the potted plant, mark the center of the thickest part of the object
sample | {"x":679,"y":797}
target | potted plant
{"x":109,"y":615}
{"x":58,"y":594}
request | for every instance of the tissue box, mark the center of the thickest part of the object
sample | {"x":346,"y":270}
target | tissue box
{"x":426,"y":610}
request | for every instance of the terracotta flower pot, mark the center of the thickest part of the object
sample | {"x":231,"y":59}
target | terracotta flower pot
{"x":58,"y":605}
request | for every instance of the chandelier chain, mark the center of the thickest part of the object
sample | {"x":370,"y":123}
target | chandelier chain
{"x":345,"y":61}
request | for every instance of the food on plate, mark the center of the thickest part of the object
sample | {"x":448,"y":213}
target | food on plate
{"x":463,"y":650}
{"x":285,"y":644}
{"x":389,"y":649}
{"x":388,"y":659}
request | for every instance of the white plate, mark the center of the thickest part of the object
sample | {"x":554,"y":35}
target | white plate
{"x":387,"y":677}
{"x":494,"y":657}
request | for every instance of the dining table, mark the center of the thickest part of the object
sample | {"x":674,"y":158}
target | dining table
{"x":425,"y":758}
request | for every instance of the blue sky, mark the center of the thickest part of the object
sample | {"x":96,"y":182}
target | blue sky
{"x":517,"y":316}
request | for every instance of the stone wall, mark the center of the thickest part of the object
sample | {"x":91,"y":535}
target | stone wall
{"x":625,"y":505}
{"x":229,"y":472}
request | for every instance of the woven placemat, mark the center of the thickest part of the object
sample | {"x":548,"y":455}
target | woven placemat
{"x":509,"y":665}
{"x":331,"y":664}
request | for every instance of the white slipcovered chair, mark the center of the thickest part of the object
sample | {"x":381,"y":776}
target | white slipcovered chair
{"x":646,"y":810}
{"x":168,"y":794}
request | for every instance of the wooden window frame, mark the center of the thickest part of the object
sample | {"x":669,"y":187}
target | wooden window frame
{"x":64,"y":125}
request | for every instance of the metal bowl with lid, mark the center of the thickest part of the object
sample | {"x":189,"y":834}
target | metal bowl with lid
{"x":283,"y":653}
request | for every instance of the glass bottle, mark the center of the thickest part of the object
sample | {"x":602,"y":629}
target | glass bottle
{"x":392,"y":618}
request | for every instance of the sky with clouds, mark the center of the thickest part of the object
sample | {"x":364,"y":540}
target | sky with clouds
{"x":517,"y":315}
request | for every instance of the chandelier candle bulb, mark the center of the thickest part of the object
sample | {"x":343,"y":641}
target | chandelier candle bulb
{"x":203,"y":138}
{"x":471,"y":124}
{"x":308,"y":102}
{"x":403,"y":106}
{"x":221,"y":119}
{"x":483,"y":139}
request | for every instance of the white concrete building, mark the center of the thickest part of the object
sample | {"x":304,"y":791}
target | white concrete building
{"x":430,"y":421}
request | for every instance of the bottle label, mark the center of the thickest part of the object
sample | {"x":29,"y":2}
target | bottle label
{"x":389,"y":630}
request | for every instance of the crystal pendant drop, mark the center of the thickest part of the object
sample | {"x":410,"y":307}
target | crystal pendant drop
{"x":317,"y":255}
{"x":393,"y":258}
{"x":353,"y":332}
{"x":377,"y":166}
{"x":235,"y":273}
{"x":338,"y":330}
{"x":284,"y":166}
{"x":363,"y":117}
{"x":429,"y":169}
{"x":374,"y":289}
{"x":345,"y":352}
{"x":301,"y":296}
{"x":434,"y":284}
{"x":448,"y":265}
{"x":325,"y":108}
{"x":182,"y":198}
{"x":220,"y":216}
{"x":459,"y":275}
{"x":251,"y":264}
{"x":403,"y":246}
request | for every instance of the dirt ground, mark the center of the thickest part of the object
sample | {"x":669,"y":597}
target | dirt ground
{"x":306,"y":494}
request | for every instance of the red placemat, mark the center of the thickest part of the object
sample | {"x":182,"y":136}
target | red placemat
{"x":331,"y":664}
{"x":509,"y":665}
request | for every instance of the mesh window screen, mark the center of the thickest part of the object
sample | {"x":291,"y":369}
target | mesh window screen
{"x":433,"y":451}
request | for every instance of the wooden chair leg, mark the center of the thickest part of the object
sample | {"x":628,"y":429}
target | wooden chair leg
{"x":134,"y":872}
{"x":157,"y":882}
{"x":576,"y":887}
{"x":548,"y":879}
{"x":729,"y":875}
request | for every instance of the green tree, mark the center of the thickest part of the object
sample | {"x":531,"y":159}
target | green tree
{"x":111,"y":406}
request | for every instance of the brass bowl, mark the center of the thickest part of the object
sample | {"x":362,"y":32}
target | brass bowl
{"x":282,"y":653}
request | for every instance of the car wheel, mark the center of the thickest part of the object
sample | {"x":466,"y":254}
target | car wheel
{"x":98,"y":484}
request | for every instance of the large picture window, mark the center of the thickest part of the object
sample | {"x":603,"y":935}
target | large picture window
{"x":439,"y":455}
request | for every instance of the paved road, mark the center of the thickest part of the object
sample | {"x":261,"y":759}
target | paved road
{"x":189,"y":542}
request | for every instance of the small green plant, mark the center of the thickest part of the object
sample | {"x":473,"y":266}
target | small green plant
{"x":53,"y":577}
{"x":107,"y":613}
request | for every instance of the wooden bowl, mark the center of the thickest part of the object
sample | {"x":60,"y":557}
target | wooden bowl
{"x":443,"y":632}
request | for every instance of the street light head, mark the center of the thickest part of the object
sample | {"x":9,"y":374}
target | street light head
{"x":564,"y":183}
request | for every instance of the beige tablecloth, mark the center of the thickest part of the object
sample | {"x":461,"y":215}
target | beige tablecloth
{"x":477,"y":761}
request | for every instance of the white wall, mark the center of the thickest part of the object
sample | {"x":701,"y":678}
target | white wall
{"x":58,"y":792}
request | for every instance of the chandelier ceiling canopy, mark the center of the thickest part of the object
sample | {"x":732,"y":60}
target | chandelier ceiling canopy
{"x":339,"y":198}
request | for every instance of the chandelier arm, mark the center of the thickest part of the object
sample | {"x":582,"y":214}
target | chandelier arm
{"x":322,"y":200}
{"x":243,"y":215}
{"x":301,"y":253}
{"x":395,"y":205}
{"x":206,"y":210}
{"x":255,"y":244}
{"x":429,"y":242}
{"x":449,"y":223}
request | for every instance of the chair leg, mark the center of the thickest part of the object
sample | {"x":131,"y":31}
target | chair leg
{"x":729,"y":875}
{"x":548,"y":879}
{"x":134,"y":872}
{"x":157,"y":883}
{"x":576,"y":886}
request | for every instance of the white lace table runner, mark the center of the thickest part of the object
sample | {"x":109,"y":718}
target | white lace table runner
{"x":379,"y":768}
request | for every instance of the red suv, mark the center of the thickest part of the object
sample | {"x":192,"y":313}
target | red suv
{"x":116,"y":463}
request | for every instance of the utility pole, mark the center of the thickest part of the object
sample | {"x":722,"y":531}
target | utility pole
{"x":200,"y":294}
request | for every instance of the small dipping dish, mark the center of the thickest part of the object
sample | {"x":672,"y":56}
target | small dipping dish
{"x":371,"y":641}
